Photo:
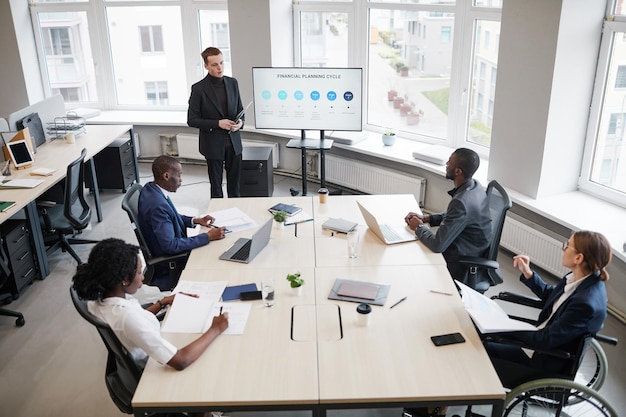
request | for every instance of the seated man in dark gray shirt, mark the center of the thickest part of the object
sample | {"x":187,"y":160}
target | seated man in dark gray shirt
{"x":465,"y":227}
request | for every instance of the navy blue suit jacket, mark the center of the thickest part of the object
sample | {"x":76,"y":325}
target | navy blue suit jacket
{"x":583,"y":312}
{"x":162,"y":226}
{"x":205,"y":112}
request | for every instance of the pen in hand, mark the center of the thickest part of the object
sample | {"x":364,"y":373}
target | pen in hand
{"x":398,"y":302}
{"x":221,"y":308}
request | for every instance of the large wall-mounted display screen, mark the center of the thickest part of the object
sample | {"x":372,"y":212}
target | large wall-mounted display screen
{"x":308,"y":98}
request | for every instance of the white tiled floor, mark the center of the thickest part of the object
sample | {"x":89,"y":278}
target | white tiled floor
{"x":54,"y":365}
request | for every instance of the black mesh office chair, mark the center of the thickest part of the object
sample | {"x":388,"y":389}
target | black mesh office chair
{"x":485,"y":272}
{"x":59,"y":221}
{"x":122,"y":373}
{"x":5,"y":273}
{"x":130,"y":204}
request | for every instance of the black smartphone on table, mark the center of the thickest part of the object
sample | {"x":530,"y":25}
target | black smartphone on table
{"x":447,"y":339}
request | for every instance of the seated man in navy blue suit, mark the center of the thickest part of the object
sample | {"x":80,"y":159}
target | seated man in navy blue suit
{"x":164,"y":229}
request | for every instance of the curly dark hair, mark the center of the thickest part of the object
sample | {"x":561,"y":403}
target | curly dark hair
{"x":110,"y":262}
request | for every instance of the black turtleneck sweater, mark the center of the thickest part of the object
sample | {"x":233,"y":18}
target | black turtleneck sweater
{"x":220,"y":92}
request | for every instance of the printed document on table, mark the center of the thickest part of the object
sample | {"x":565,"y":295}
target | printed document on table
{"x":487,"y":315}
{"x":195,"y":315}
{"x":210,"y":290}
{"x":233,"y":219}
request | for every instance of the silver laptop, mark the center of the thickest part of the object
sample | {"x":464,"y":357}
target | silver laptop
{"x":395,"y":232}
{"x":244,"y":250}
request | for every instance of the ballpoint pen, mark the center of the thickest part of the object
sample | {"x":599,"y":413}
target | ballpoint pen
{"x":217,"y":227}
{"x":221,"y":307}
{"x":398,"y":302}
{"x":441,"y":292}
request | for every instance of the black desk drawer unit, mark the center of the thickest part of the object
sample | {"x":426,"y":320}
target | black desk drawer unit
{"x":17,"y":245}
{"x":115,"y":166}
{"x":257,"y":172}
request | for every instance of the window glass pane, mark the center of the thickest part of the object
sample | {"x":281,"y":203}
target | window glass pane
{"x":409,"y":71}
{"x":607,"y":167}
{"x":214,"y":32}
{"x":147,"y":47}
{"x":67,"y":55}
{"x":619,"y":7}
{"x":488,"y":3}
{"x":483,"y":88}
{"x":324,"y":37}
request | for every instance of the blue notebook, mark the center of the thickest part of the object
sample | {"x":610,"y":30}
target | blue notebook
{"x":232,"y":293}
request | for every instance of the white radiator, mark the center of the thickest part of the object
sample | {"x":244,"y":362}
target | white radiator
{"x":188,"y":147}
{"x":544,"y":251}
{"x":373,"y":180}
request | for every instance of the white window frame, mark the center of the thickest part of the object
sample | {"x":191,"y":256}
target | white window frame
{"x":611,"y":26}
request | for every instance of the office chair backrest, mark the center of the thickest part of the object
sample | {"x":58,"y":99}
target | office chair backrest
{"x":76,"y":209}
{"x":499,"y":204}
{"x":122,"y":373}
{"x":130,"y":204}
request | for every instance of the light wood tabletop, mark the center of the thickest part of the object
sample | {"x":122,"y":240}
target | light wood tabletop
{"x":307,"y":352}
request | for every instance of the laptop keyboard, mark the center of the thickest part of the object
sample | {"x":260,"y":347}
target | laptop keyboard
{"x":243,"y":252}
{"x":389,"y":234}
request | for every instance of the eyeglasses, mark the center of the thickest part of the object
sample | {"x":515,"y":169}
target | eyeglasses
{"x":566,"y":245}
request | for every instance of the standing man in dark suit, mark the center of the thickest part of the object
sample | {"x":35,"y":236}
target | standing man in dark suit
{"x":213,"y":104}
{"x":165,"y":230}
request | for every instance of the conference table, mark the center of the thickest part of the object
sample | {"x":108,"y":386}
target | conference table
{"x":307,"y":352}
{"x":57,"y":155}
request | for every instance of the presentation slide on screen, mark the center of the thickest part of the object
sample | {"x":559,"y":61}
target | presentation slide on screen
{"x":307,"y":98}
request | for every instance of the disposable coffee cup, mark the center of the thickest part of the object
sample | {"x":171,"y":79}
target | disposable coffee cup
{"x":363,"y":313}
{"x":70,"y":138}
{"x":323,"y":193}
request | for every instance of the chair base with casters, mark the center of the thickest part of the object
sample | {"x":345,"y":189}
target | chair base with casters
{"x":62,"y":235}
{"x":19,"y":322}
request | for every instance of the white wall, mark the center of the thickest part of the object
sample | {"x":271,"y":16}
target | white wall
{"x":547,"y":57}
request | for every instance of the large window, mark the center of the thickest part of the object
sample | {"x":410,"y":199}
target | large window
{"x":426,"y":63}
{"x":145,"y":59}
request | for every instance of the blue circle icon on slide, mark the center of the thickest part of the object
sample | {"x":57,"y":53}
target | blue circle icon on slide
{"x":282,"y":95}
{"x":331,"y":96}
{"x":298,"y":95}
{"x":348,"y":96}
{"x":315,"y":95}
{"x":266,"y":95}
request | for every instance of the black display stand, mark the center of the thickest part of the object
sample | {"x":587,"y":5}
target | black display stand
{"x":319,"y":145}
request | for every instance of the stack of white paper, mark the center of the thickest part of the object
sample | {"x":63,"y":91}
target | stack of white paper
{"x":487,"y":315}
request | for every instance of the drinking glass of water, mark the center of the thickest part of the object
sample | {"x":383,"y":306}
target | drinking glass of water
{"x":353,"y":242}
{"x":267,"y":291}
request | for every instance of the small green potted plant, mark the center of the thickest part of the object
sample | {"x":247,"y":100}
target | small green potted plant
{"x":295,"y":282}
{"x":280,"y":217}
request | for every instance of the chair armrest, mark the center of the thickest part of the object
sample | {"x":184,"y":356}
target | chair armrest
{"x":46,"y":203}
{"x":167,"y":258}
{"x":606,"y":339}
{"x":519,"y":299}
{"x":513,"y":342}
{"x":480,"y":262}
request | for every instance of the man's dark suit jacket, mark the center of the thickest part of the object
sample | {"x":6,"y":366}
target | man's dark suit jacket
{"x":205,"y":113}
{"x":464,"y":229}
{"x":164,"y":229}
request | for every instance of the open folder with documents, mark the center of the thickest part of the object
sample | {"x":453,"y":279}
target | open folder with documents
{"x":487,"y":315}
